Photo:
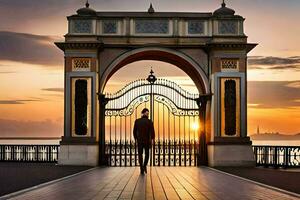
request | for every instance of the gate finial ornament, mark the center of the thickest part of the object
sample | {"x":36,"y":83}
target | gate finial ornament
{"x":223,"y":4}
{"x":151,"y":78}
{"x":151,"y":9}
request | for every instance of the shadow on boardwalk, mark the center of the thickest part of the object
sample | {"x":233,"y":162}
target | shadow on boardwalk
{"x":18,"y":176}
{"x":284,"y":179}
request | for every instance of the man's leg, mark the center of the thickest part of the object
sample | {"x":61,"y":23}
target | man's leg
{"x":140,"y":152}
{"x":147,"y":151}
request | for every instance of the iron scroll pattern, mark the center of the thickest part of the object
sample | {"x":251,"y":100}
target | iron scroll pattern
{"x":176,"y":102}
{"x":29,"y":153}
{"x":179,"y":101}
{"x":277,"y":156}
{"x":129,"y":109}
{"x":163,"y":153}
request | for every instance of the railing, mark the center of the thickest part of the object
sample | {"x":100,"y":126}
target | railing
{"x":277,"y":156}
{"x":29,"y":153}
{"x":168,"y":153}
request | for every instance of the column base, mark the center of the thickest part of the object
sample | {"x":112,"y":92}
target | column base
{"x":78,"y":153}
{"x":231,"y":152}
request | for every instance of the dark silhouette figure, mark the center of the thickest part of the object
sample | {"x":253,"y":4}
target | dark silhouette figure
{"x":143,"y":133}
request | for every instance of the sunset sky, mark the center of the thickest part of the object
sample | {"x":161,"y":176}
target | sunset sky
{"x":31,"y":66}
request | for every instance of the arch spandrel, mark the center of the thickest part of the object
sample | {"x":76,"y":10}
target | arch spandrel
{"x":175,"y":57}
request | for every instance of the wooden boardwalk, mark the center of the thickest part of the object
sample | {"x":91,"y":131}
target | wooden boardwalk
{"x":159,"y":183}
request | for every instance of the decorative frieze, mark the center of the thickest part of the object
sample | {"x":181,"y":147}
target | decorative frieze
{"x":196,"y":27}
{"x":82,"y":26}
{"x":229,"y":64}
{"x":152,"y":26}
{"x":109,"y":26}
{"x":81,"y":64}
{"x":228,"y":27}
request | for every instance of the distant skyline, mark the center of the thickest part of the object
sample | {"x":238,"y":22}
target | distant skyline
{"x":31,"y":66}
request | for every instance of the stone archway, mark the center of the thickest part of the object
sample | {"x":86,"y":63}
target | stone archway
{"x":177,"y":58}
{"x":210,"y":47}
{"x":180,"y":60}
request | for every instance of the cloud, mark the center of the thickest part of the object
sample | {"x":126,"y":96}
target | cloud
{"x":8,"y":72}
{"x":285,"y":67}
{"x":29,"y":48}
{"x":16,"y":128}
{"x":20,"y":101}
{"x":294,"y":84}
{"x":273,"y":94}
{"x":274,"y":63}
{"x":259,"y":60}
{"x":53,"y":89}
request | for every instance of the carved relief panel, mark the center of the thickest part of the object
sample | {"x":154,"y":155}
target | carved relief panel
{"x":228,"y":27}
{"x":82,"y":26}
{"x":81,"y":64}
{"x":229,"y":64}
{"x":151,"y":26}
{"x":81,"y":107}
{"x":196,"y":27}
{"x":110,"y":26}
{"x":230,"y":107}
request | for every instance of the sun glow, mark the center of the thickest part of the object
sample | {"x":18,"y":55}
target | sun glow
{"x":195,"y":126}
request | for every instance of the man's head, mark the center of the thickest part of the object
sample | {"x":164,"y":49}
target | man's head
{"x":145,"y":112}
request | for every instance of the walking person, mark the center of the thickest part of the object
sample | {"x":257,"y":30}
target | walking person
{"x":143,"y":132}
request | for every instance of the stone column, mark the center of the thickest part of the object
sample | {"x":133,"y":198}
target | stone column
{"x":79,"y":144}
{"x":102,"y":103}
{"x":229,"y":145}
{"x":203,"y":136}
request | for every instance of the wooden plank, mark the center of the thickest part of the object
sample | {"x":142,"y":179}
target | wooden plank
{"x":168,"y":188}
{"x":159,"y":183}
{"x":203,"y":183}
{"x":66,"y":187}
{"x":158,"y":191}
{"x":140,"y":188}
{"x":105,"y":188}
{"x":119,"y":184}
{"x":128,"y":191}
{"x":180,"y":190}
{"x":149,"y":186}
{"x":196,"y":194}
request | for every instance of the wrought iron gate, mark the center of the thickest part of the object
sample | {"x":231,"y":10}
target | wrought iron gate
{"x":174,"y":112}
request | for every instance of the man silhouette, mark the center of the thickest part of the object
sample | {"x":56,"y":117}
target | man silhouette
{"x":143,"y":132}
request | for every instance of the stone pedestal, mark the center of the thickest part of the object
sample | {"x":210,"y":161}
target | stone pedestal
{"x":231,"y":152}
{"x":78,"y":152}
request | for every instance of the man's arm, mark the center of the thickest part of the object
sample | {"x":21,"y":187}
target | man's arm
{"x":152,"y":131}
{"x":135,"y":130}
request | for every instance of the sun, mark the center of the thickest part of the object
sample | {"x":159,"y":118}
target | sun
{"x":195,"y":126}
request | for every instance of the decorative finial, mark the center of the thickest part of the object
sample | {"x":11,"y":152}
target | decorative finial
{"x":223,"y":4}
{"x":151,"y":9}
{"x":151,"y":78}
{"x":151,"y":71}
{"x":87,"y":4}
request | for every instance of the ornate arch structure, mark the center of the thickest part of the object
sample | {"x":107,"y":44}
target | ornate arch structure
{"x":178,"y":58}
{"x":210,"y":47}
